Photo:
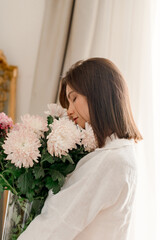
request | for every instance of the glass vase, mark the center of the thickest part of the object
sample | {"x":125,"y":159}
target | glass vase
{"x":19,"y":213}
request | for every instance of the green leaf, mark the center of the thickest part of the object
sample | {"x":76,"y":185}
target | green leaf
{"x":50,"y":119}
{"x":1,"y":191}
{"x":67,"y":157}
{"x":1,"y":141}
{"x":54,"y":185}
{"x":56,"y":188}
{"x":1,"y":156}
{"x":46,"y":157}
{"x":1,"y":188}
{"x":49,"y":183}
{"x":37,"y":206}
{"x":25,"y":182}
{"x":2,"y":183}
{"x":38,"y":172}
{"x":68,"y":169}
{"x":16,"y":172}
{"x":56,"y":175}
{"x":30,"y":195}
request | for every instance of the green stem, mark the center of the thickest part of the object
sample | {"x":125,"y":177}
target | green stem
{"x":13,"y":190}
{"x":2,"y":167}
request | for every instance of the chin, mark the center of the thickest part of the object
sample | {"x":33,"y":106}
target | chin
{"x":82,"y":125}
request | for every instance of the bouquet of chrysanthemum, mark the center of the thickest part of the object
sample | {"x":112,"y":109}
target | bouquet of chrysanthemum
{"x":36,"y":155}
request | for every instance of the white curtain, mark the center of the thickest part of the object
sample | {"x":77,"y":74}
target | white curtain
{"x":121,"y":30}
{"x":156,"y":107}
{"x":52,"y":46}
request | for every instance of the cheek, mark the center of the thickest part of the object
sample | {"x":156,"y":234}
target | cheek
{"x":86,"y":109}
{"x":83,"y":110}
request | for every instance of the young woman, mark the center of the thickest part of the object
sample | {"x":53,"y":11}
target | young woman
{"x":97,"y":198}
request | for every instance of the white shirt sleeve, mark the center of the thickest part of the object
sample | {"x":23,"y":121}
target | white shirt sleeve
{"x":88,"y":191}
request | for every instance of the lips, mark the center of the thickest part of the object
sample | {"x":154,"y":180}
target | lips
{"x":75,"y":119}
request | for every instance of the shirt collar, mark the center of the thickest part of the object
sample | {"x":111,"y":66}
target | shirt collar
{"x":114,"y":142}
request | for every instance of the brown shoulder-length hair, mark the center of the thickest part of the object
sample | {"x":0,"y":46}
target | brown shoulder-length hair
{"x":100,"y":81}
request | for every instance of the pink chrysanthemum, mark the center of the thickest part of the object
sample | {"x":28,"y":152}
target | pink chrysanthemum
{"x":56,"y":110}
{"x":5,"y":121}
{"x":64,"y":137}
{"x":36,"y":123}
{"x":21,"y":146}
{"x":88,"y":138}
{"x":17,"y":126}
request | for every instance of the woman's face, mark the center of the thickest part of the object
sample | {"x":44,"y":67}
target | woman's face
{"x":78,"y":107}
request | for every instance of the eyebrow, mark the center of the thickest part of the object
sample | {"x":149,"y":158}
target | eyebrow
{"x":70,"y":93}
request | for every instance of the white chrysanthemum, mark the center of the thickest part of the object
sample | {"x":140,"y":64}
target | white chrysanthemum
{"x":56,"y":110}
{"x":64,"y":137}
{"x":88,"y":138}
{"x":21,"y":146}
{"x":36,"y":123}
{"x":17,"y":126}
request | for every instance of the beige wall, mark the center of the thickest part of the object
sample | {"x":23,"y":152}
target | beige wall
{"x":20,"y":30}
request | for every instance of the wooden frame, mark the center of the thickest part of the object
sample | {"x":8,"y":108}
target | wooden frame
{"x":8,"y":77}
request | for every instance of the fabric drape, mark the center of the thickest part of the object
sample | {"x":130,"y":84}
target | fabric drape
{"x":51,"y":52}
{"x":122,"y":32}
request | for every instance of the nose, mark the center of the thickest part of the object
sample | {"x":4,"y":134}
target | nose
{"x":70,"y":110}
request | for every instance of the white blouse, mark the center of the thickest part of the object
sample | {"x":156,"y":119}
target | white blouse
{"x":96,"y":200}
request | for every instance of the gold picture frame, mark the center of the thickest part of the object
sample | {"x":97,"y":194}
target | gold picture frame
{"x":8,"y":78}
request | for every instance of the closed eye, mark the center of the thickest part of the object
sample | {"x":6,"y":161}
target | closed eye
{"x":74,"y":99}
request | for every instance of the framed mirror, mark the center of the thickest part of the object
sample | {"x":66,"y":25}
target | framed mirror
{"x":8,"y":78}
